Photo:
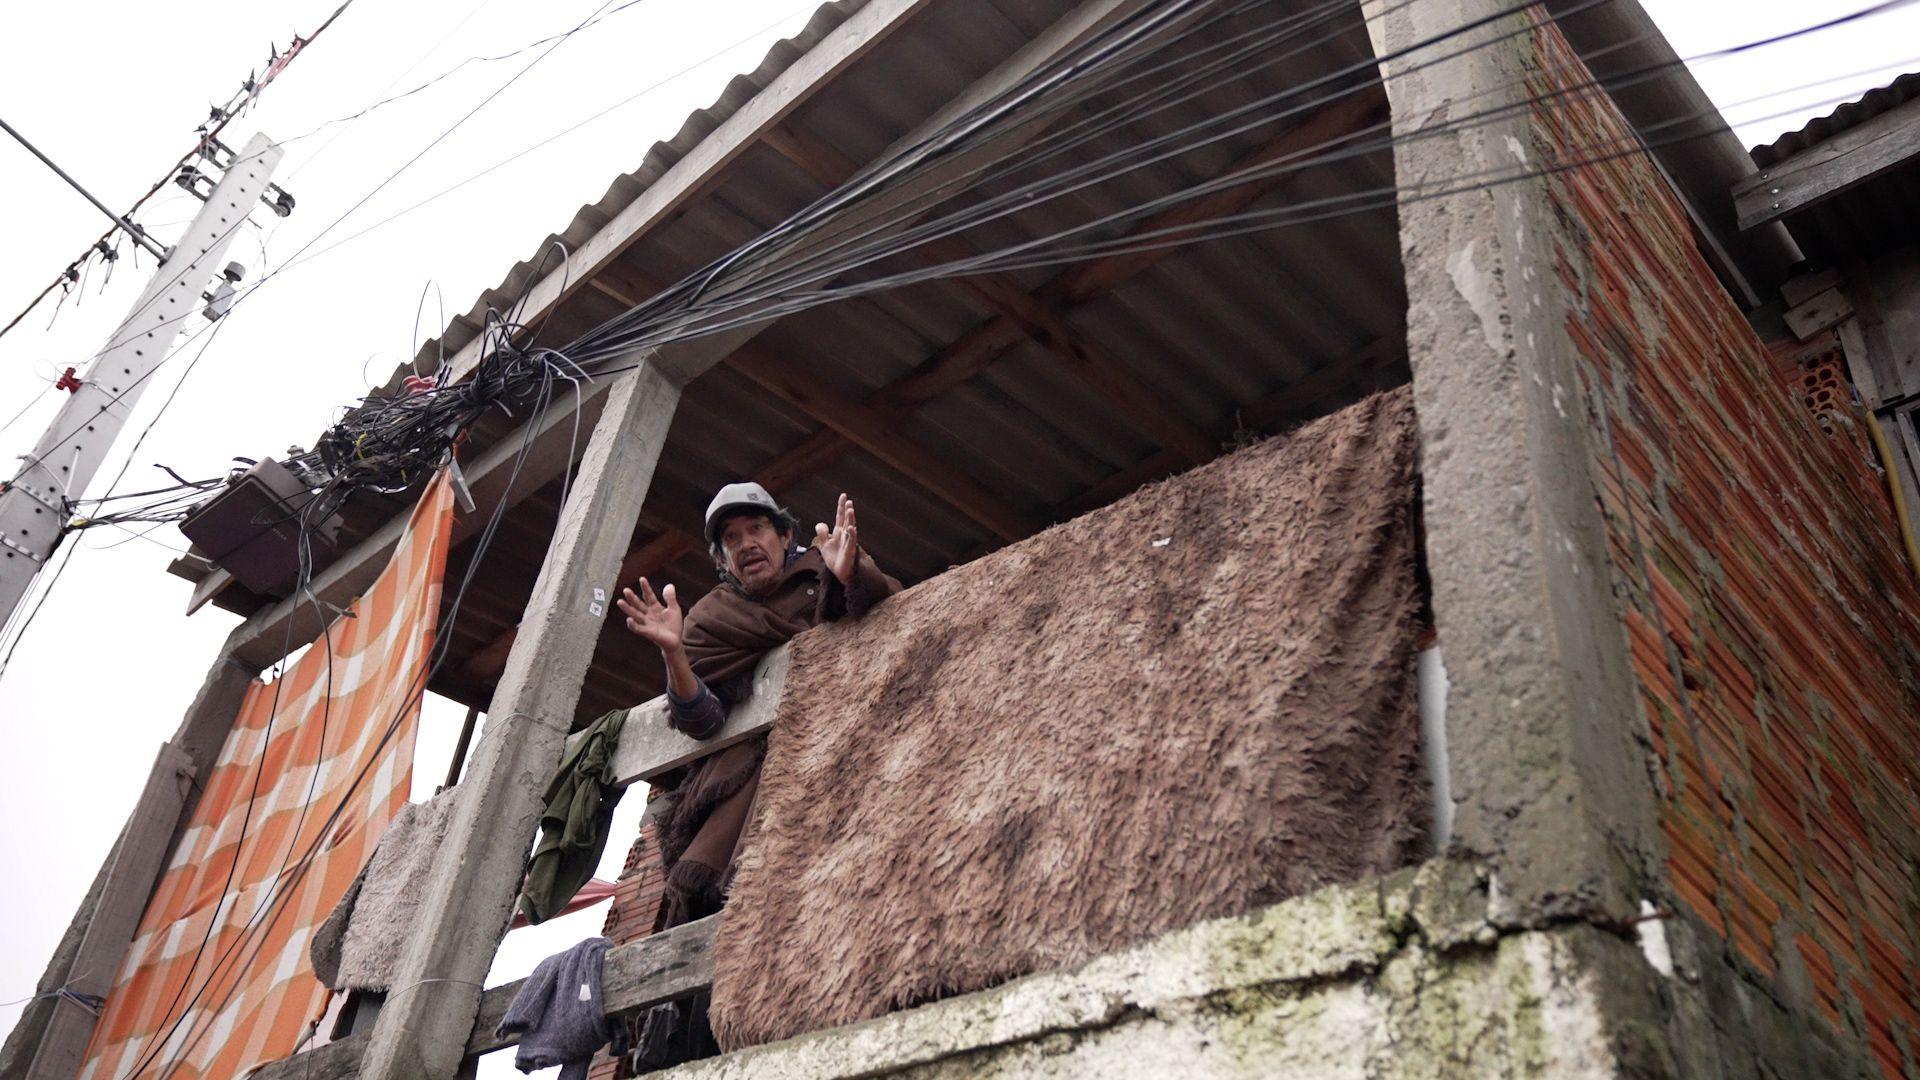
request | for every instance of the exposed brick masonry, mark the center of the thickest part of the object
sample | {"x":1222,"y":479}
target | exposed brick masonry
{"x":1769,"y":608}
{"x":635,"y":909}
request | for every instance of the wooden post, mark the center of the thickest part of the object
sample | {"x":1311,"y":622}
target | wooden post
{"x":423,"y":1028}
{"x":460,"y":748}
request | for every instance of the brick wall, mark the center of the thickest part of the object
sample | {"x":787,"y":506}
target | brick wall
{"x":636,"y":906}
{"x":1770,"y":612}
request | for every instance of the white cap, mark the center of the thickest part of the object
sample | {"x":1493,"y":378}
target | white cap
{"x":742,"y":496}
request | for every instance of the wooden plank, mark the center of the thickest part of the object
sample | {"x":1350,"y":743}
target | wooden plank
{"x":846,"y":43}
{"x":1819,"y":313}
{"x":637,"y":975}
{"x":470,"y":892}
{"x":1830,"y":167}
{"x":268,"y":635}
{"x":873,"y":430}
{"x":213,"y":584}
{"x":1099,"y":373}
{"x":1106,"y":377}
{"x":138,"y":860}
{"x":1798,"y":290}
{"x":649,"y":748}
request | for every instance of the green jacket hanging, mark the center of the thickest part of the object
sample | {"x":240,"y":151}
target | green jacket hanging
{"x":573,"y":827}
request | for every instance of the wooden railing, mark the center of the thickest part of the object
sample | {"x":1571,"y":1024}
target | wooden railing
{"x":659,"y":968}
{"x":649,"y":748}
{"x":654,"y":969}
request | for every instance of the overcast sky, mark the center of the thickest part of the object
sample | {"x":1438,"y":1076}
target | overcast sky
{"x":112,"y":91}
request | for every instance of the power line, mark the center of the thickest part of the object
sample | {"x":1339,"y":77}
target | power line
{"x":563,"y":132}
{"x":388,"y":100}
{"x":139,"y":234}
{"x":551,"y":364}
{"x":209,"y":134}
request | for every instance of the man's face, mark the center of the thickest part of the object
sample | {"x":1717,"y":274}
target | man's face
{"x":755,"y":550}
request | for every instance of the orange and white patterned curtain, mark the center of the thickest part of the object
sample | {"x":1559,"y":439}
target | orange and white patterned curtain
{"x":218,"y":978}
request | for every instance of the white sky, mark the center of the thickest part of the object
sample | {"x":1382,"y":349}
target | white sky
{"x":111,"y":91}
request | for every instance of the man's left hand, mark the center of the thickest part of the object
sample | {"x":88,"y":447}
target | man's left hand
{"x":840,"y":545}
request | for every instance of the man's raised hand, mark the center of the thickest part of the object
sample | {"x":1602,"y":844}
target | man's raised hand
{"x":657,"y":620}
{"x":839,"y":546}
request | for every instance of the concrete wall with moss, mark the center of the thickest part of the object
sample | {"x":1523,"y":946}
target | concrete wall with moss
{"x":1402,"y":977}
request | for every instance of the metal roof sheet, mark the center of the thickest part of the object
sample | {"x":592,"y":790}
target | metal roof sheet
{"x":1869,"y":218}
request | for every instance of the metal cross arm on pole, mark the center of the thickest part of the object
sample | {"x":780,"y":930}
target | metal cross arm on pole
{"x":33,"y":503}
{"x":139,"y":234}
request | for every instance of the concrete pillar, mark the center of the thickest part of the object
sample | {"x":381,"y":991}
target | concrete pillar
{"x":422,"y":1030}
{"x":1552,"y":791}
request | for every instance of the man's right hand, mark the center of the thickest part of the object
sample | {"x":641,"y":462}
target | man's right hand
{"x":656,"y":620}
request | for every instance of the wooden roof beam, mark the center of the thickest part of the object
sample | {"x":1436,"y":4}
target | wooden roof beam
{"x":978,"y":348}
{"x":860,"y":424}
{"x":1829,"y":167}
{"x":875,"y":431}
{"x":1100,"y":373}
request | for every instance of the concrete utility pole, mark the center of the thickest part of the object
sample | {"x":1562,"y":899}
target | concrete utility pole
{"x":34,"y":504}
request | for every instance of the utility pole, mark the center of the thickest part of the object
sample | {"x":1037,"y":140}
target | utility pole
{"x":34,"y":505}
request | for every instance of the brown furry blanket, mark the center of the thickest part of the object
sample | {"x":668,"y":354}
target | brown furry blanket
{"x":1191,"y":703}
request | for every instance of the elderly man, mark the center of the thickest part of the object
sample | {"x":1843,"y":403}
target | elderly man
{"x":769,"y":591}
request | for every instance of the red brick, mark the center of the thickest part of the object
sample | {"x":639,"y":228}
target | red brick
{"x":1826,"y":987}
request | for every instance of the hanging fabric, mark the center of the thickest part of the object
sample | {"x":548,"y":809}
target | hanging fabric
{"x":218,"y":978}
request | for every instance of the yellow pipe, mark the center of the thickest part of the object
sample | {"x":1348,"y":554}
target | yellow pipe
{"x":1885,"y":451}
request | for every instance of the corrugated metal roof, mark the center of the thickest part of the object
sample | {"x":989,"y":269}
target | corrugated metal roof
{"x":628,"y":186}
{"x":1226,"y":335}
{"x":1844,"y":118}
{"x":1869,"y":218}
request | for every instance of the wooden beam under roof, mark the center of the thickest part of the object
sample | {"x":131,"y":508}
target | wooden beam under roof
{"x":978,"y":348}
{"x":859,"y":423}
{"x":1830,"y":167}
{"x":1099,"y":373}
{"x":656,"y":968}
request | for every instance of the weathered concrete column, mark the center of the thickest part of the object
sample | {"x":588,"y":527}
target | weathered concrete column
{"x":1552,"y":791}
{"x":52,"y":1033}
{"x":422,"y":1031}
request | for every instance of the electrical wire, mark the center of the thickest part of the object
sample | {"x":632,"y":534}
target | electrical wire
{"x":394,"y":441}
{"x":209,"y":134}
{"x":521,"y":154}
{"x":384,"y":101}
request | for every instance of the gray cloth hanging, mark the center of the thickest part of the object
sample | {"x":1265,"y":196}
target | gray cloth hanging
{"x":359,"y":944}
{"x":559,"y":1013}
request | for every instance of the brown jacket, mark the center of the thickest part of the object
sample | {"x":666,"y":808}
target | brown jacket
{"x":726,"y":634}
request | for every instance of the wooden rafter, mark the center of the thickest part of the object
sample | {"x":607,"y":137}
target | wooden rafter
{"x":1099,"y":372}
{"x":1016,"y":319}
{"x":859,"y":423}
